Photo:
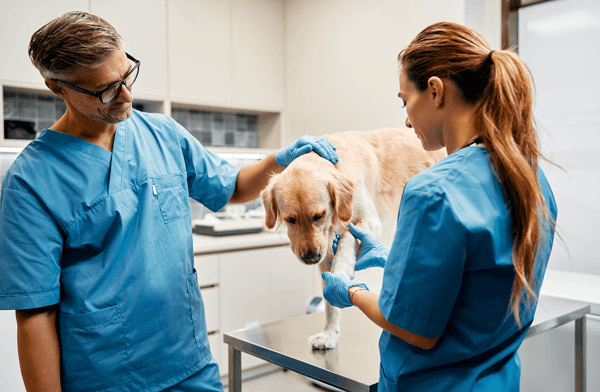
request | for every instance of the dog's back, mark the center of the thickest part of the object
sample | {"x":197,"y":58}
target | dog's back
{"x":383,"y":159}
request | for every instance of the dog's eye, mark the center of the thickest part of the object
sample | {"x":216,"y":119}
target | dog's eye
{"x":317,"y":217}
{"x":291,"y":220}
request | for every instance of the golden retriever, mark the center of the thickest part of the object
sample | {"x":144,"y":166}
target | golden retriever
{"x":317,"y":200}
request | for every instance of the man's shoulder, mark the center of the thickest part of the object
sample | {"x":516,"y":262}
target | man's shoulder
{"x":156,"y":119}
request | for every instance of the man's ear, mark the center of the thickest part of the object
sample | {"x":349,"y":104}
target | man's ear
{"x":56,"y":88}
{"x":435,"y":87}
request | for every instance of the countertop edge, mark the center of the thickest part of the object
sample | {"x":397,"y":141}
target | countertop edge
{"x":204,"y":244}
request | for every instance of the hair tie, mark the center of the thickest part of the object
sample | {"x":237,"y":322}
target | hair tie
{"x":489,"y":57}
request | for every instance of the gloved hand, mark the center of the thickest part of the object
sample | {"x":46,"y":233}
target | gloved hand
{"x":372,"y":252}
{"x":304,"y":145}
{"x":336,"y":289}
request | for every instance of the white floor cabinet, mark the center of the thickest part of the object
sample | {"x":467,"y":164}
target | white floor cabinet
{"x":243,"y":289}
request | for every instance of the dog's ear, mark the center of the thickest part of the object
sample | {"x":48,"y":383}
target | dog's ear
{"x":270,"y":204}
{"x":341,"y":191}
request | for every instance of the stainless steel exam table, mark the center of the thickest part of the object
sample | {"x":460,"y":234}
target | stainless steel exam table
{"x":354,"y":364}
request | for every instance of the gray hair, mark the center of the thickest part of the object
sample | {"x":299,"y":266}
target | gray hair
{"x":75,"y":39}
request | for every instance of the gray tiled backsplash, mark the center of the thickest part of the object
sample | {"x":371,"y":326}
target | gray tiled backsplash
{"x":212,"y":128}
{"x":40,"y":110}
{"x":219,"y":129}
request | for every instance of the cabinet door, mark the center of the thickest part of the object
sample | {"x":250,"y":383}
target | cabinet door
{"x":291,"y":285}
{"x":258,"y":51}
{"x":258,"y":287}
{"x":208,"y":269}
{"x":200,"y":50}
{"x":142,"y":24}
{"x":18,"y":21}
{"x":210,"y":296}
{"x":548,"y":360}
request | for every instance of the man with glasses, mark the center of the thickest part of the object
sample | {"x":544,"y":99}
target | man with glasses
{"x":96,"y":250}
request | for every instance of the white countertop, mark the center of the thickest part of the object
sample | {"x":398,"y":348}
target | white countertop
{"x":204,"y":244}
{"x":572,"y":285}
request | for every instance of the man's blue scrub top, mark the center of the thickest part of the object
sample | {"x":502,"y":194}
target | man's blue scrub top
{"x":108,"y":237}
{"x":449,"y":275}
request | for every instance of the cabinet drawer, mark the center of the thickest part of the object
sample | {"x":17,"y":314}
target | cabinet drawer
{"x":208,"y":269}
{"x":211,"y":308}
{"x":215,"y":340}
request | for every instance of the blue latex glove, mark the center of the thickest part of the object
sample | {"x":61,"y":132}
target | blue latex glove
{"x":372,"y":252}
{"x":304,"y":145}
{"x":336,"y":289}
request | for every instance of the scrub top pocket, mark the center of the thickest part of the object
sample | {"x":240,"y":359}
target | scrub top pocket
{"x":172,"y":198}
{"x":94,"y":353}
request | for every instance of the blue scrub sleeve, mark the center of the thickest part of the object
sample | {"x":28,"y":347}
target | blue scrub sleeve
{"x":423,"y":273}
{"x":211,"y":179}
{"x":30,"y":252}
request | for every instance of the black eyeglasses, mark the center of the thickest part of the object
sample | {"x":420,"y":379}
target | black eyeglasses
{"x":110,"y":93}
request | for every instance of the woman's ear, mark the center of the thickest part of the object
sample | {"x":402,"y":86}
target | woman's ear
{"x":435,"y":87}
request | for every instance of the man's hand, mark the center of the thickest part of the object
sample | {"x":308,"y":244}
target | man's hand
{"x":304,"y":145}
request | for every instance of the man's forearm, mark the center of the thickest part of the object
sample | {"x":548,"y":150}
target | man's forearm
{"x":39,"y":349}
{"x":254,"y":178}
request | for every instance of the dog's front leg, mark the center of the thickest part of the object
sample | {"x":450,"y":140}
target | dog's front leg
{"x":343,"y":264}
{"x":329,"y":337}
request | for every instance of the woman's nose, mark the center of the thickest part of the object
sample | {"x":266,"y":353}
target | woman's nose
{"x":407,"y":123}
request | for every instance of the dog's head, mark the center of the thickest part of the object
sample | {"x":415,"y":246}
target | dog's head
{"x":309,"y":198}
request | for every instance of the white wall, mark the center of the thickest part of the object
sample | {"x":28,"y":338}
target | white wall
{"x":342,"y":69}
{"x":341,"y":60}
{"x":567,"y":110}
{"x":559,"y":41}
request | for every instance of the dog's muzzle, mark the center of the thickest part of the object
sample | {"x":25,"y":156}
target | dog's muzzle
{"x":311,"y":258}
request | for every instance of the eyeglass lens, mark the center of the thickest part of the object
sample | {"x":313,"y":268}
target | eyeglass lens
{"x":112,"y":93}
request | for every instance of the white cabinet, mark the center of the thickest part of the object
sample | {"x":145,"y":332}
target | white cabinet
{"x":230,"y":53}
{"x":200,"y":50}
{"x":18,"y":21}
{"x":548,"y":360}
{"x":259,"y":286}
{"x":258,"y":51}
{"x":142,"y":24}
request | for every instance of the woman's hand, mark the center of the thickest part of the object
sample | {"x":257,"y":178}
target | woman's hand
{"x":372,"y":252}
{"x":336,"y":289}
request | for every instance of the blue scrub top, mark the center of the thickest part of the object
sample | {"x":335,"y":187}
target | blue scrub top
{"x":108,"y":237}
{"x":449,"y":275}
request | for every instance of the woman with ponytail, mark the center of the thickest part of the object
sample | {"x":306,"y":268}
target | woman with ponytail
{"x":474,"y":231}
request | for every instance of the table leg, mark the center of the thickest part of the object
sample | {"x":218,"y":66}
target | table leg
{"x":235,"y":370}
{"x":580,"y":365}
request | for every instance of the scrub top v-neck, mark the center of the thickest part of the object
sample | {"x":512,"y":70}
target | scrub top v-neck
{"x":107,"y":236}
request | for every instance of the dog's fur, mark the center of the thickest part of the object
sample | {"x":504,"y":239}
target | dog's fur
{"x":317,"y":200}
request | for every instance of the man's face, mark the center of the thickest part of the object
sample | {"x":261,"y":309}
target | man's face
{"x":97,"y":79}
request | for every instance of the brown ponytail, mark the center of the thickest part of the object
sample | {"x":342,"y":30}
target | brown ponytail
{"x":500,"y":85}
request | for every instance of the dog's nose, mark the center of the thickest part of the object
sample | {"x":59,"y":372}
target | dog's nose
{"x":311,"y":258}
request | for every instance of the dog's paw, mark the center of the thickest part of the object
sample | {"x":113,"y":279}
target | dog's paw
{"x":324,"y":340}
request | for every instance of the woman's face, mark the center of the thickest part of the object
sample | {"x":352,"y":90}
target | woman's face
{"x":421,"y":113}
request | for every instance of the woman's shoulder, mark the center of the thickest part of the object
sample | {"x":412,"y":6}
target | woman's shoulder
{"x":463,"y":168}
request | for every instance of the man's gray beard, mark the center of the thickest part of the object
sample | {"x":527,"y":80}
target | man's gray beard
{"x":116,"y":118}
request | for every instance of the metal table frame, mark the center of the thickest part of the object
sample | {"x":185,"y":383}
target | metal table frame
{"x":276,"y":343}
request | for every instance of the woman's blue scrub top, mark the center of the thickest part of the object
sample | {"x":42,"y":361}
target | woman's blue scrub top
{"x":108,"y":237}
{"x":449,"y":275}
